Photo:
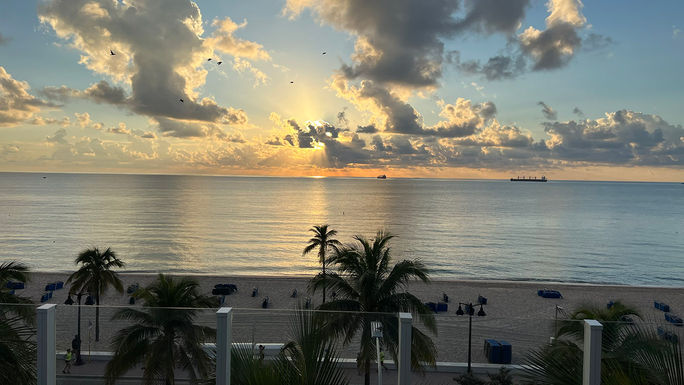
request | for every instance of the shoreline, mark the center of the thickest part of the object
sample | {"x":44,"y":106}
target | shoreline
{"x":442,"y":280}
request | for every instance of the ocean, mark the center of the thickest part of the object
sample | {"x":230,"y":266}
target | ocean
{"x":567,"y":231}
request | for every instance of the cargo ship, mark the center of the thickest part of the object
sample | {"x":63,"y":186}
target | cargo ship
{"x":383,"y":176}
{"x":529,"y":179}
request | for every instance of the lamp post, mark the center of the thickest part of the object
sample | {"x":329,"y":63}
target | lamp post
{"x":70,"y":301}
{"x":471,"y":310}
{"x":376,"y":332}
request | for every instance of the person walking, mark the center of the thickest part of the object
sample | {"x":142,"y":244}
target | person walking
{"x":67,"y":361}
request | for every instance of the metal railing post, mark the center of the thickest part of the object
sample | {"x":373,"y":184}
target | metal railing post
{"x":47,"y":359}
{"x":224,"y":339}
{"x":404,"y":364}
{"x":591,"y":367}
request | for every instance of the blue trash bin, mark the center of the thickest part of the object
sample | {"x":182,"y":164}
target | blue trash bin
{"x":506,"y":352}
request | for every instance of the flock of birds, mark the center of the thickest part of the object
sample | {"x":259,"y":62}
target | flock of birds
{"x":111,"y":53}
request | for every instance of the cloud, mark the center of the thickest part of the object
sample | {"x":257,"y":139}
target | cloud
{"x":187,"y":129}
{"x":578,"y":112}
{"x":596,"y":42}
{"x":369,"y":129}
{"x":621,"y":137}
{"x":159,"y":55}
{"x":58,"y":137}
{"x":397,"y":42}
{"x":16,"y":103}
{"x":490,"y":16}
{"x":83,"y":119}
{"x":556,"y":45}
{"x":462,"y":118}
{"x":548,"y":112}
{"x":103,"y":92}
{"x":242,"y":66}
{"x":223,"y":40}
{"x":496,"y":68}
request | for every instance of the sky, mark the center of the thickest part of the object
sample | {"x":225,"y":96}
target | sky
{"x":406,"y":88}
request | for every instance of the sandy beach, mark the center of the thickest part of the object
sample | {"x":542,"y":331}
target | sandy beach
{"x":514,"y":311}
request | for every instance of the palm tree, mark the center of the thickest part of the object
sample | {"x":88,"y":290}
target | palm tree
{"x":631,"y":353}
{"x":17,"y":318}
{"x":95,"y":276}
{"x":310,"y":358}
{"x":163,"y":335}
{"x":323,"y":240}
{"x":366,"y":283}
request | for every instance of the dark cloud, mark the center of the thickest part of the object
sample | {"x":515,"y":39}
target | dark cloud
{"x":398,"y":42}
{"x":103,"y":92}
{"x":61,"y":94}
{"x":552,"y":48}
{"x":496,"y":68}
{"x":187,"y":129}
{"x":596,"y":42}
{"x":401,"y":117}
{"x":548,"y":112}
{"x":369,"y":129}
{"x":578,"y":112}
{"x":490,"y":16}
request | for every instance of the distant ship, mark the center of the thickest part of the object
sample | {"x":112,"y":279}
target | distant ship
{"x":383,"y":176}
{"x":529,"y":179}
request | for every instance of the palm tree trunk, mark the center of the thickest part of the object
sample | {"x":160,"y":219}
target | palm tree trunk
{"x":324,"y":279}
{"x":97,"y":317}
{"x":366,"y":379}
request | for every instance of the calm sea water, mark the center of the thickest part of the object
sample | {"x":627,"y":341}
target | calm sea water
{"x":598,"y":232}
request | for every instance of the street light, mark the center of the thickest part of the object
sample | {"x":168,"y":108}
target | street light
{"x":471,"y":310}
{"x":70,"y":301}
{"x":376,"y":332}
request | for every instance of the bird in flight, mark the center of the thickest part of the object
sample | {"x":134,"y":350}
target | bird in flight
{"x":111,"y":52}
{"x":209,"y":59}
{"x":181,"y":100}
{"x":219,"y":63}
{"x":323,"y":53}
{"x":291,"y":82}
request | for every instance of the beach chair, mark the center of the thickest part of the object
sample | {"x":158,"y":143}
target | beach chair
{"x":481,"y":300}
{"x":610,"y":304}
{"x":442,"y":307}
{"x":673,"y":319}
{"x":432,"y":306}
{"x":50,"y":287}
{"x":45,"y":297}
{"x":661,"y":306}
{"x":59,"y":285}
{"x":14,"y":285}
{"x":11,"y":292}
{"x":551,"y":294}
